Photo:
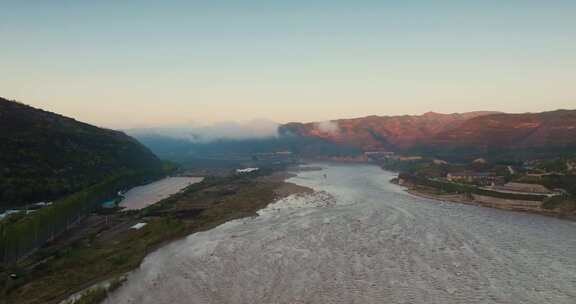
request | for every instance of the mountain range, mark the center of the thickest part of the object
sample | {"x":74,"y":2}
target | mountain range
{"x":435,"y":131}
{"x":44,"y":155}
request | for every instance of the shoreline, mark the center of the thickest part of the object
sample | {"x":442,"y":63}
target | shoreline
{"x":285,"y":189}
{"x":458,"y":199}
{"x":199,"y":207}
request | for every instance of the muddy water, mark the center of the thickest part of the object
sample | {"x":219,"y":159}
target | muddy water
{"x":361,"y":239}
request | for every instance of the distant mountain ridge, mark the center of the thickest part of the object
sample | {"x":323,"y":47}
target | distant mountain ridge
{"x":383,"y":132}
{"x":473,"y":130}
{"x":552,"y":129}
{"x":466,"y":135}
{"x":45,"y":155}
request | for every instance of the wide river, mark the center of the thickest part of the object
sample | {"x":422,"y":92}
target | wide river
{"x":364,"y":240}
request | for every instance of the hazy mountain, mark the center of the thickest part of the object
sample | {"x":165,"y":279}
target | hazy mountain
{"x":450,"y":135}
{"x":183,"y":150}
{"x":45,"y":155}
{"x":382,"y":132}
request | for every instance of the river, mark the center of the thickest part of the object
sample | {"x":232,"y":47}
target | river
{"x":145,"y":195}
{"x":361,"y":239}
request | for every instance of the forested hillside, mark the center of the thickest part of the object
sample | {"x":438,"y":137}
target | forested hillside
{"x":44,"y":156}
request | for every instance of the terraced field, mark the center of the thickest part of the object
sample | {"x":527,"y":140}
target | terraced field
{"x":360,"y":239}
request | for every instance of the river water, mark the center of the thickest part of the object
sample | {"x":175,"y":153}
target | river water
{"x":145,"y":195}
{"x":361,"y":239}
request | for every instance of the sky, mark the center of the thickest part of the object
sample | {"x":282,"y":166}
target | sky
{"x":129,"y":64}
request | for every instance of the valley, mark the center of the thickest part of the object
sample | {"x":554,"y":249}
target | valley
{"x":360,"y":239}
{"x":118,"y":221}
{"x":287,"y":152}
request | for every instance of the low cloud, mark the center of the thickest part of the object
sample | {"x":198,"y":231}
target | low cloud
{"x":232,"y":130}
{"x":328,"y":127}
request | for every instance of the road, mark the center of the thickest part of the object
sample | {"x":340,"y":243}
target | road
{"x":360,"y":239}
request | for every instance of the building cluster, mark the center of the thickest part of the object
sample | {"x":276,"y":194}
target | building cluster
{"x":246,"y":170}
{"x":481,"y":178}
{"x":527,"y":178}
{"x":495,"y":182}
{"x":523,"y":188}
{"x":387,"y":155}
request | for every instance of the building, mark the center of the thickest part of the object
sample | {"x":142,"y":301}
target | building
{"x":439,"y":162}
{"x":571,"y":166}
{"x":409,"y":158}
{"x":524,"y":188}
{"x":378,"y":155}
{"x":246,"y":170}
{"x":483,"y":178}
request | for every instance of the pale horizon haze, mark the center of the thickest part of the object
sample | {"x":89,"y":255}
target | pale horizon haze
{"x":129,"y":64}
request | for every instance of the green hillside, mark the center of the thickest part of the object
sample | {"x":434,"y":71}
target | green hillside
{"x":44,"y":156}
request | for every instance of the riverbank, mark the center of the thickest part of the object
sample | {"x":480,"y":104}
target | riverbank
{"x":106,"y":246}
{"x":489,"y":202}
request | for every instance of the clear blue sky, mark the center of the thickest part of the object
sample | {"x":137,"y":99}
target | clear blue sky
{"x":145,"y":63}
